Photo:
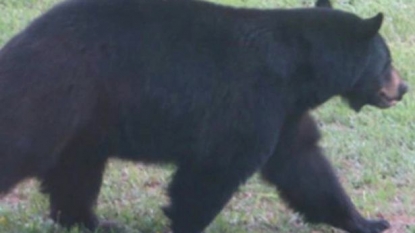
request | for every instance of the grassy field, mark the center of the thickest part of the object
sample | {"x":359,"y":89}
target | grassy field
{"x":373,"y":151}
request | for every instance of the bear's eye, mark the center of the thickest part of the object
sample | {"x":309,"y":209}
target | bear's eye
{"x":387,"y":65}
{"x":386,"y":72}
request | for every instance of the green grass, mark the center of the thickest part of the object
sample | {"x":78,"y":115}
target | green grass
{"x":373,"y":152}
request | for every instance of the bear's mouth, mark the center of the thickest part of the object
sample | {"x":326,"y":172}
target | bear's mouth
{"x":385,"y":101}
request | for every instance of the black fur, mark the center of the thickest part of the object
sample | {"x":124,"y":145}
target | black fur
{"x":219,"y":91}
{"x":323,"y":3}
{"x":306,"y":180}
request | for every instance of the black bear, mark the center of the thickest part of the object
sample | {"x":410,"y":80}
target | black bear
{"x":220,"y":92}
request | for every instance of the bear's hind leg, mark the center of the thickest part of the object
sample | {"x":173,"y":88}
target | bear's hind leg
{"x":10,"y":175}
{"x":198,"y":194}
{"x":73,"y":184}
{"x":306,"y":180}
{"x":16,"y":165}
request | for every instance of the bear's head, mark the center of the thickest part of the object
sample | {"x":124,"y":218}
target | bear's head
{"x":379,"y":84}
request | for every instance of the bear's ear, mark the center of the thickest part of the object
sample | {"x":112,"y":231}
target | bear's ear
{"x":323,"y":3}
{"x":370,"y":27}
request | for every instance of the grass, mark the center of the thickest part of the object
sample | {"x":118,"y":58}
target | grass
{"x":373,"y":152}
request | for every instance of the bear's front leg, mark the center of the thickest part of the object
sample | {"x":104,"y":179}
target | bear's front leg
{"x":306,"y":180}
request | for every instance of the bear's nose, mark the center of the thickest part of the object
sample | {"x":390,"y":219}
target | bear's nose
{"x":403,"y":89}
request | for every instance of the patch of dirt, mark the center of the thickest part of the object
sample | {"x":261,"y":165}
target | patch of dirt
{"x":400,"y":223}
